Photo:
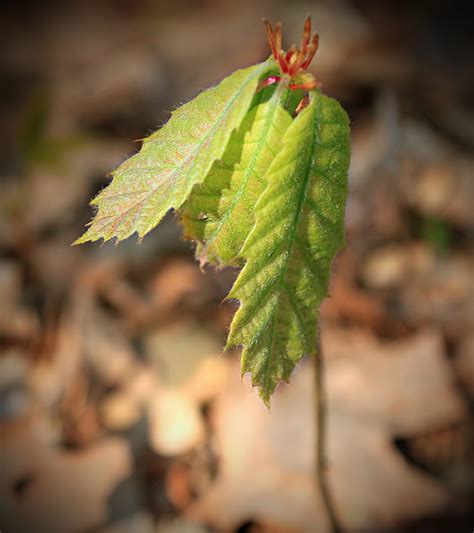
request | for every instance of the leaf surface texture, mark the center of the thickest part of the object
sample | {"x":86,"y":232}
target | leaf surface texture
{"x":220,"y":212}
{"x":299,"y":228}
{"x":172,"y":160}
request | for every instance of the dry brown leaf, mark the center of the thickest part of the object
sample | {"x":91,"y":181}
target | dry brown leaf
{"x":190,"y":372}
{"x":45,"y":489}
{"x":365,"y":376}
{"x":266,"y":457}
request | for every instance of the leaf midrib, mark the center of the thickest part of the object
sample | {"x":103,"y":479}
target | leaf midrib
{"x":249,"y":170}
{"x":299,"y":211}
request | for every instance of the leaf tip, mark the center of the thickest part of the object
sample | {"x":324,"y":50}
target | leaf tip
{"x":265,"y":396}
{"x":82,"y":239}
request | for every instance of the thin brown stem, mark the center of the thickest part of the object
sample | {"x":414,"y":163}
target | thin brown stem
{"x":321,"y":439}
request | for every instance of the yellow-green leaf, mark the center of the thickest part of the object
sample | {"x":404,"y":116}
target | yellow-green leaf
{"x":175,"y":158}
{"x":299,"y":228}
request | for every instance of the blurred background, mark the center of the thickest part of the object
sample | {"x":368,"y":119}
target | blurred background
{"x":118,"y":412}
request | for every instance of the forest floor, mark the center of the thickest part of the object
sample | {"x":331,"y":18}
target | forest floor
{"x":118,"y":411}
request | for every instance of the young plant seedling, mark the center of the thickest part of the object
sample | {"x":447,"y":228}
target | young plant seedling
{"x":256,"y":167}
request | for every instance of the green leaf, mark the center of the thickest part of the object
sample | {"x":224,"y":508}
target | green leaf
{"x":299,"y":228}
{"x":172,"y":160}
{"x":220,"y":212}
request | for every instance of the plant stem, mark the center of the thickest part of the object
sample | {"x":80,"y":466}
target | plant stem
{"x":321,"y":439}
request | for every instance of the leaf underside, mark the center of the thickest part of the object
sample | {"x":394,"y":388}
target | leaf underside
{"x":219,"y":214}
{"x":299,"y":228}
{"x":172,"y":160}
